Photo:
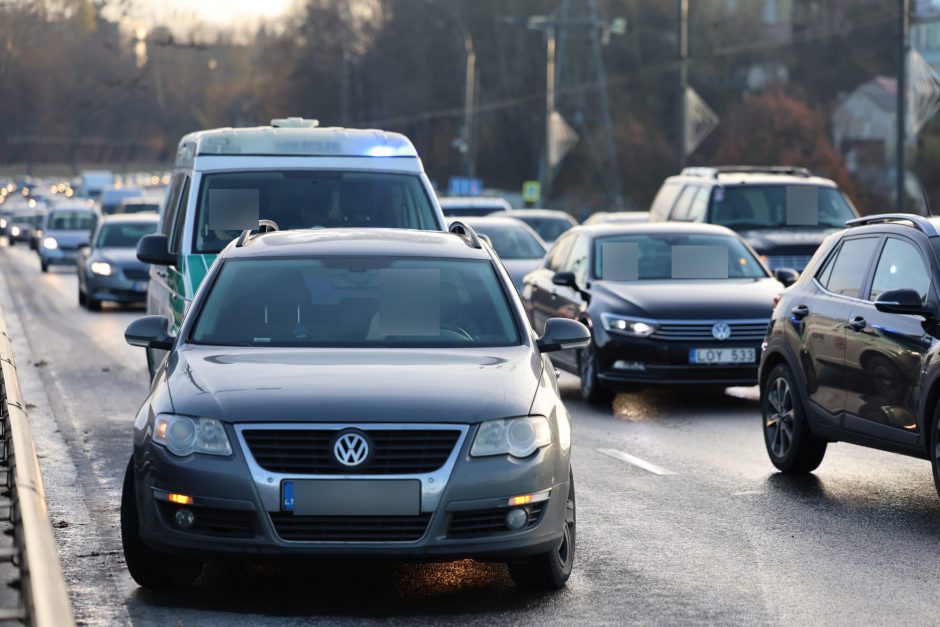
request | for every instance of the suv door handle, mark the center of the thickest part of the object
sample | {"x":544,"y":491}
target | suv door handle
{"x":800,"y":311}
{"x":857,"y":323}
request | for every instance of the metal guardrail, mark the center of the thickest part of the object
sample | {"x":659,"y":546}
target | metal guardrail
{"x":44,"y":596}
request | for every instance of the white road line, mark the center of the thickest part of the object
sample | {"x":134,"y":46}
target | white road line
{"x":636,"y":461}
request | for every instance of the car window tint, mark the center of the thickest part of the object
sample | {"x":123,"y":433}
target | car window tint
{"x":559,"y":253}
{"x":681,"y":208}
{"x":850,"y":266}
{"x":651,"y":256}
{"x":900,"y":267}
{"x":664,"y":200}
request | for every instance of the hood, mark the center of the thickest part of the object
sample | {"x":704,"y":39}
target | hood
{"x":690,"y":300}
{"x":518,"y":268}
{"x":124,"y":257}
{"x":69,"y":239}
{"x":353,"y":385}
{"x":793,"y":240}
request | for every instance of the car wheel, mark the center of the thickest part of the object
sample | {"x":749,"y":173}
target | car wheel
{"x":82,"y":299}
{"x":92,"y":303}
{"x":149,"y":568}
{"x":935,"y":446}
{"x":592,"y":390}
{"x":550,"y":571}
{"x":44,"y":266}
{"x":791,"y":445}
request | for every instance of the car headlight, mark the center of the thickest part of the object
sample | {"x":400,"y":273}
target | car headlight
{"x":627,"y":326}
{"x":49,"y":243}
{"x":519,"y":437}
{"x":101,"y":267}
{"x":15,"y":231}
{"x":183,"y":436}
{"x":3,"y":223}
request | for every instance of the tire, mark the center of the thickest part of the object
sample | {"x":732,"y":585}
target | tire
{"x":43,"y":266}
{"x":82,"y":299}
{"x":934,"y":444}
{"x":92,"y":303}
{"x":792,"y":446}
{"x":592,"y":389}
{"x":550,"y":571}
{"x":149,"y":568}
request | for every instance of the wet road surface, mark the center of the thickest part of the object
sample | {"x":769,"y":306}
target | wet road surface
{"x":681,"y":517}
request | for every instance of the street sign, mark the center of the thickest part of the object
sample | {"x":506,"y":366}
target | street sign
{"x":531,"y":191}
{"x":700,"y":120}
{"x":464,"y":186}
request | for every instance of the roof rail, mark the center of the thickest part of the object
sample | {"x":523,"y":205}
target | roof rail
{"x":264,"y":226}
{"x":713,"y":172}
{"x":465,"y":230}
{"x":920,"y":223}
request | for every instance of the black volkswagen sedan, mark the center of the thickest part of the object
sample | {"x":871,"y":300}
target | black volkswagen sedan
{"x":667,"y":304}
{"x":352,"y":392}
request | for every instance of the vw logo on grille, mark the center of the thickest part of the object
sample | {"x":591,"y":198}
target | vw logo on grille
{"x":351,"y":448}
{"x":721,"y":331}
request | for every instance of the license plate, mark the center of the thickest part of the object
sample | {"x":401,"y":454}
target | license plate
{"x":722,"y":356}
{"x":352,"y":497}
{"x":140,"y":286}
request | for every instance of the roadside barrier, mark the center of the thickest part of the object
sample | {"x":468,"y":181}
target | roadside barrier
{"x":44,"y":600}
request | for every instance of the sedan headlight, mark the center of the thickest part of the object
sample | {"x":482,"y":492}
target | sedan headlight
{"x":627,"y":326}
{"x":102,"y":268}
{"x":49,"y":243}
{"x":183,"y":436}
{"x":3,"y":223}
{"x":519,"y":437}
{"x":15,"y":231}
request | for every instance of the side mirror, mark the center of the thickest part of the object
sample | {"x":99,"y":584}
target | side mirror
{"x":903,"y":301}
{"x":150,"y":332}
{"x":787,"y":276}
{"x":154,"y":249}
{"x":565,"y":279}
{"x":563,"y":334}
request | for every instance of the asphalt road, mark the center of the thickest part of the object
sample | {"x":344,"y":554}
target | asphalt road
{"x":681,"y":517}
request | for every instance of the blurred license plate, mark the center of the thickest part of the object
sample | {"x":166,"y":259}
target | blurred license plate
{"x":352,"y":497}
{"x":140,"y":286}
{"x":722,"y":356}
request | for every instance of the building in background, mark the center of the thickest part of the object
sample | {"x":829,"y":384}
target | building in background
{"x":864,"y":130}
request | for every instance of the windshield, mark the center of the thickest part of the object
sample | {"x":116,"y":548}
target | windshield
{"x":745,"y":207}
{"x":138,"y":207}
{"x":358,"y":301}
{"x":511,"y":242}
{"x":71,"y":221}
{"x":658,"y":256}
{"x":305,"y":199}
{"x":123,"y":235}
{"x":549,"y":229}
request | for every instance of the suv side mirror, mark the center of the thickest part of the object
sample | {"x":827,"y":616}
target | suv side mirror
{"x":565,"y":279}
{"x":150,"y":332}
{"x":155,"y":249}
{"x":562,"y":334}
{"x":903,"y":301}
{"x":787,"y":276}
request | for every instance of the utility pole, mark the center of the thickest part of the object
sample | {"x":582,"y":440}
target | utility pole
{"x":545,"y":175}
{"x":682,"y":40}
{"x":469,"y":104}
{"x":904,"y":47}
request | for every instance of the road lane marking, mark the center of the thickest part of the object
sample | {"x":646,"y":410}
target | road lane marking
{"x":636,"y":461}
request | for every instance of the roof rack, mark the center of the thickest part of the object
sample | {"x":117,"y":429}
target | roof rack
{"x":713,"y":172}
{"x":920,"y":223}
{"x":264,"y":226}
{"x":465,"y":230}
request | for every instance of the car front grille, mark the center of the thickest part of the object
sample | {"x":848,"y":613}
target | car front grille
{"x":310,"y":451}
{"x":796,"y":262}
{"x":349,"y":528}
{"x":136,"y":274}
{"x":486,"y":522}
{"x":741,"y":330}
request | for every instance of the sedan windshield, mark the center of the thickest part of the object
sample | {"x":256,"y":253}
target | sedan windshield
{"x":307,"y":199}
{"x":744,"y":207}
{"x":357,"y":302}
{"x":511,"y":242}
{"x":123,"y":235}
{"x":549,"y":229}
{"x":659,"y":256}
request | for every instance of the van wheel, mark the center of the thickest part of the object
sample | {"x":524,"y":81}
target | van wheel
{"x":550,"y":571}
{"x":791,"y":444}
{"x":149,"y":568}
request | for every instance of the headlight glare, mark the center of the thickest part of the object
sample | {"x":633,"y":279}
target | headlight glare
{"x":519,"y":437}
{"x":15,"y":231}
{"x":183,"y":436}
{"x":50,"y":243}
{"x":627,"y":326}
{"x":101,"y":267}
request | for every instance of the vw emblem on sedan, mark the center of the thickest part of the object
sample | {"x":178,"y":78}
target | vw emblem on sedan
{"x":351,"y":448}
{"x":721,"y":331}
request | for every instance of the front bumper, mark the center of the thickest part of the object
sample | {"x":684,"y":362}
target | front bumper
{"x":58,"y":256}
{"x":253,"y":523}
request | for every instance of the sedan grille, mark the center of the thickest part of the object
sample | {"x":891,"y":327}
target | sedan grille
{"x":741,"y":330}
{"x":137,"y":274}
{"x":797,"y":262}
{"x":310,"y":451}
{"x":477,"y":523}
{"x":349,"y":528}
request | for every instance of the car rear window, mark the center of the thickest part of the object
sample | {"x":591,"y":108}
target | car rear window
{"x":64,"y":220}
{"x":549,"y":229}
{"x":360,"y":301}
{"x":511,"y":241}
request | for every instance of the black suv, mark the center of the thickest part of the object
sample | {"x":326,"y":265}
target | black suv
{"x":851,"y":351}
{"x":783,"y":212}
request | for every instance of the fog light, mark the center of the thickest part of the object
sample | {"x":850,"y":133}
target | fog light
{"x":620,"y":364}
{"x":516,"y":518}
{"x":185,"y":518}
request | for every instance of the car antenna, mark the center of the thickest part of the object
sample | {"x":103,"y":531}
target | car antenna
{"x":926,"y":201}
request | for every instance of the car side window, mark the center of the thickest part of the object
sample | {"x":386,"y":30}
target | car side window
{"x":680,"y":210}
{"x":559,"y":253}
{"x":578,"y":262}
{"x":172,"y":200}
{"x":845,"y":273}
{"x":900,"y":267}
{"x":665,"y":199}
{"x":180,"y":219}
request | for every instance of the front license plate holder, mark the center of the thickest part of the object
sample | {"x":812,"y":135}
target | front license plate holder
{"x":722,"y":356}
{"x":351,"y":497}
